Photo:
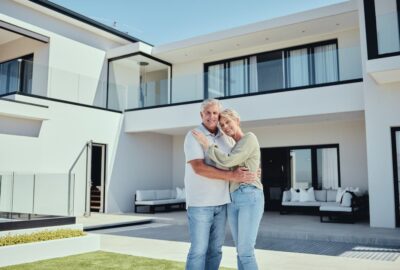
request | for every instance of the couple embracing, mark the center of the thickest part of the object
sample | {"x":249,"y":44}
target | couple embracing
{"x":222,"y":182}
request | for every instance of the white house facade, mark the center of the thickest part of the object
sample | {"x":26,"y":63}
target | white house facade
{"x":80,"y":100}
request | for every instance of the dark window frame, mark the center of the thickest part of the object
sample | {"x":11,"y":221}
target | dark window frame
{"x":395,"y":174}
{"x":314,"y":166}
{"x":372,"y":33}
{"x":21,"y":72}
{"x":285,"y":52}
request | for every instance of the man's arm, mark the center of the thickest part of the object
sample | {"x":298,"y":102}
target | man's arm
{"x":239,"y":175}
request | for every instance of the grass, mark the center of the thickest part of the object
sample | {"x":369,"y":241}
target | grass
{"x":101,"y":260}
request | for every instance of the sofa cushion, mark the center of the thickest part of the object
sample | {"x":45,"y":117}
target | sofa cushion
{"x":307,"y":195}
{"x":294,"y":195}
{"x":320,"y":195}
{"x":331,"y":195}
{"x":160,"y":202}
{"x":145,"y":195}
{"x":302,"y":203}
{"x":286,"y":196}
{"x":164,"y":194}
{"x":335,"y":208}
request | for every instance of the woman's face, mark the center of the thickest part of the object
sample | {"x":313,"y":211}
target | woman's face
{"x":229,"y":125}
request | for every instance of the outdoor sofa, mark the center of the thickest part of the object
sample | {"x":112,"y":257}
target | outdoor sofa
{"x":166,"y":199}
{"x":343,"y":204}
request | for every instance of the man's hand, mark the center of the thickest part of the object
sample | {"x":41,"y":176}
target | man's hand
{"x":243,"y":175}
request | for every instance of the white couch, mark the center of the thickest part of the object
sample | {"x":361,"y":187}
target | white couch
{"x":325,"y":202}
{"x":157,"y":198}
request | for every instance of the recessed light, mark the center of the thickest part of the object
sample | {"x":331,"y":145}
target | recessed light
{"x":337,"y":24}
{"x":210,"y":50}
{"x":186,"y":54}
{"x":237,"y":45}
{"x":303,"y":31}
{"x":266,"y":38}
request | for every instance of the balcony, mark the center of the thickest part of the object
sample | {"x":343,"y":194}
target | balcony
{"x":305,"y":87}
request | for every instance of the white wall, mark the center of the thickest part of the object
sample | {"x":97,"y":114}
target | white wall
{"x":382,"y":112}
{"x":140,"y":161}
{"x":350,"y":135}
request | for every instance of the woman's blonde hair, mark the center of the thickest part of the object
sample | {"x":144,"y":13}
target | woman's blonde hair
{"x":230,"y":114}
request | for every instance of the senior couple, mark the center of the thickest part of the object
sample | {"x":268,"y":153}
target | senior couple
{"x":222,"y":182}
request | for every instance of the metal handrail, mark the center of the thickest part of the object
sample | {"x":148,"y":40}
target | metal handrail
{"x":71,"y":209}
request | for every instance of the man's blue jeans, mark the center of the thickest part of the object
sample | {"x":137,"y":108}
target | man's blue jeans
{"x":244,"y":216}
{"x":207,"y":234}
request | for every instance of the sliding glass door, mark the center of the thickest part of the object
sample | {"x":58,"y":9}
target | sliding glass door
{"x":16,"y":75}
{"x":396,"y":170}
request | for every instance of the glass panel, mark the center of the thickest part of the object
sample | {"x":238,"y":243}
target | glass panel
{"x":325,"y":64}
{"x":136,"y":82}
{"x":387,"y":26}
{"x":26,"y":76}
{"x":327,"y":168}
{"x":238,"y":77}
{"x":216,"y":81}
{"x":300,"y":164}
{"x":397,"y":135}
{"x":298,"y":68}
{"x":270,"y":71}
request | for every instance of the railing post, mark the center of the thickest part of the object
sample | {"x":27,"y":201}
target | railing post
{"x":88,"y":178}
{"x":33,"y":193}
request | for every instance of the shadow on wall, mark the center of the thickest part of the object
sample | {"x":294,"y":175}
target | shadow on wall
{"x":20,"y":127}
{"x":142,"y":161}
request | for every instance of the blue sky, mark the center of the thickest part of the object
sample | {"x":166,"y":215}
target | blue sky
{"x":164,"y":21}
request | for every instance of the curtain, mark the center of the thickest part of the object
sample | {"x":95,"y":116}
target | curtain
{"x":238,"y":77}
{"x":329,"y":168}
{"x":326,"y":65}
{"x":253,"y":77}
{"x":298,"y":66}
{"x":216,"y":81}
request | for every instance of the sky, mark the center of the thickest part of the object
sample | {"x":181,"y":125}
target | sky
{"x":164,"y":21}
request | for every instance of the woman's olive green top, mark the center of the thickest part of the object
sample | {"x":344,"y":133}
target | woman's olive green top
{"x":245,"y":153}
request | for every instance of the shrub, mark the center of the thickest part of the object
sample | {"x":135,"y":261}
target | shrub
{"x":39,"y":236}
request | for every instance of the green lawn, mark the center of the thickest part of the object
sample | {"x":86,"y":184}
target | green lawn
{"x":100,"y":261}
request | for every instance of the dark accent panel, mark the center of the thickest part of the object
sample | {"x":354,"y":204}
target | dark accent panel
{"x":370,"y":28}
{"x":395,"y":175}
{"x":84,"y":19}
{"x":27,"y":221}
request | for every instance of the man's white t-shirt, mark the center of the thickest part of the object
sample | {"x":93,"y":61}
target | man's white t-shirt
{"x":200,"y":190}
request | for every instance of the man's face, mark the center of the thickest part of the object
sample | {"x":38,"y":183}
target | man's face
{"x":210,"y":116}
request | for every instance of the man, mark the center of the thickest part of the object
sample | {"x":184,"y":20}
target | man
{"x":207,"y":192}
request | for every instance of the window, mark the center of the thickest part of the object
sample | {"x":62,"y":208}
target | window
{"x":16,"y":75}
{"x":281,"y":69}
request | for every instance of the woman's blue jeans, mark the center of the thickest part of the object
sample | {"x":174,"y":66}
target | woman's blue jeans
{"x":244,"y":216}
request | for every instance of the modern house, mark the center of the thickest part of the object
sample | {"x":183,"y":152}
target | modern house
{"x":81,"y":100}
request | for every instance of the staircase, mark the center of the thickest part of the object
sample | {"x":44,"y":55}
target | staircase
{"x":95,"y":199}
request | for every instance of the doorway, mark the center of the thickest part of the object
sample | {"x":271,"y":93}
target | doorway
{"x":97,"y":189}
{"x":396,"y":171}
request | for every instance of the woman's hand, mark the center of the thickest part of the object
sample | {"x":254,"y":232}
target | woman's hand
{"x":201,"y":138}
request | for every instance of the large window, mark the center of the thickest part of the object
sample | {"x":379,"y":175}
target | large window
{"x":301,"y":66}
{"x":16,"y":75}
{"x":382,"y":22}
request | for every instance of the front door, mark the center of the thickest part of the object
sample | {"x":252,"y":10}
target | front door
{"x":274,"y":175}
{"x":396,"y":171}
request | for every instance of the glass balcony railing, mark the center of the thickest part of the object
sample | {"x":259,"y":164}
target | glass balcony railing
{"x":134,"y":83}
{"x":49,"y":194}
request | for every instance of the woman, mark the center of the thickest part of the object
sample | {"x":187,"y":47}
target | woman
{"x":247,"y":207}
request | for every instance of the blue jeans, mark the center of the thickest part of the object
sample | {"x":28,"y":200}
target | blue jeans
{"x":207,"y":234}
{"x":244,"y":216}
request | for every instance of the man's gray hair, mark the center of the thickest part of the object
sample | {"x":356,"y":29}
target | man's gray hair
{"x":210,"y":102}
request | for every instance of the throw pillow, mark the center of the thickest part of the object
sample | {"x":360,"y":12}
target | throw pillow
{"x":294,"y":195}
{"x":307,"y":195}
{"x":340,"y":193}
{"x":346,"y":200}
